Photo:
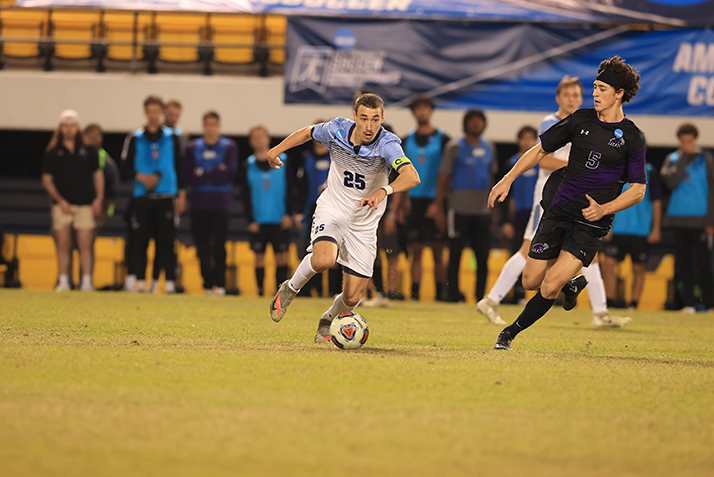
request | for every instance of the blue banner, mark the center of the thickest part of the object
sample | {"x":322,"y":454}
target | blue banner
{"x":492,"y":66}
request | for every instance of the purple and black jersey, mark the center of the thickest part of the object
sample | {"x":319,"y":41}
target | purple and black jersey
{"x":603,"y":157}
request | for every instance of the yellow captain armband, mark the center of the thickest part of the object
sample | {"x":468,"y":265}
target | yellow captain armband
{"x":400,"y":162}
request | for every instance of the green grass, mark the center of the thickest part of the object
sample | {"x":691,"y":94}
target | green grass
{"x":111,"y":384}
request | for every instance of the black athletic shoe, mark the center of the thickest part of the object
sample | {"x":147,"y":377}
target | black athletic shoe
{"x":504,"y":341}
{"x":571,"y":290}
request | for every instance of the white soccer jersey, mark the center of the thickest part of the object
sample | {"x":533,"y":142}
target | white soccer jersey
{"x":561,"y":154}
{"x":356,"y":172}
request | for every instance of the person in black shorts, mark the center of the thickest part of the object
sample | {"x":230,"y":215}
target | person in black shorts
{"x":268,"y":207}
{"x":579,"y":200}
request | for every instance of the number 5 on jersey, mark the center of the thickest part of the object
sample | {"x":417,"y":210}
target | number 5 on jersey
{"x":354,"y":180}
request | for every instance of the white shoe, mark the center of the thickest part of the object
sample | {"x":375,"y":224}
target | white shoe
{"x":379,"y":301}
{"x":323,"y":335}
{"x":62,"y":287}
{"x":688,"y":309}
{"x":209,"y":292}
{"x":489,"y":309}
{"x":170,"y":287}
{"x":220,"y":291}
{"x":141,"y":285}
{"x":130,"y":284}
{"x":87,"y":287}
{"x":606,"y":320}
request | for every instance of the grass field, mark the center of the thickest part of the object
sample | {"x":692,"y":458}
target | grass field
{"x":111,"y":384}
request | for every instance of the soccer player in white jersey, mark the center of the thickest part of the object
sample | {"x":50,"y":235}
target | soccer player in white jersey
{"x":569,"y":97}
{"x":344,"y":228}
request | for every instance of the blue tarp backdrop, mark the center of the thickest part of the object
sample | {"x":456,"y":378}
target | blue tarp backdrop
{"x":490,"y":65}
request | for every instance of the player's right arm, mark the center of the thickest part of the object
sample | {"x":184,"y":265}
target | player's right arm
{"x":301,"y":136}
{"x":527,"y":161}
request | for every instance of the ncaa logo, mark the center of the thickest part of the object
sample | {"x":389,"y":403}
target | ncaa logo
{"x":618,"y":133}
{"x":340,"y":133}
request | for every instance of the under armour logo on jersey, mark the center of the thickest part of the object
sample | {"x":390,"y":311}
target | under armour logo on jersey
{"x":583,"y":131}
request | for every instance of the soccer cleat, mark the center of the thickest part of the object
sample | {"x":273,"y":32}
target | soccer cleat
{"x":62,"y":287}
{"x":504,"y":341}
{"x":220,"y":291}
{"x":379,"y":301}
{"x":170,"y":287}
{"x":323,"y":331}
{"x":606,"y":320}
{"x":489,"y":309}
{"x":87,"y":287}
{"x":281,"y":301}
{"x":571,"y":290}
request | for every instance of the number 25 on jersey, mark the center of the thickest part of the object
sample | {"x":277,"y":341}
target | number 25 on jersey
{"x":354,"y":180}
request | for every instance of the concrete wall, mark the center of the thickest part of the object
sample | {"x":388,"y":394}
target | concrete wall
{"x":33,"y":100}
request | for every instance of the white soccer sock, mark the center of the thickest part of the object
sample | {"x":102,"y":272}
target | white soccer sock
{"x":596,"y":288}
{"x":508,"y":277}
{"x":338,"y":307}
{"x":63,"y":279}
{"x":86,"y":279}
{"x":303,"y":274}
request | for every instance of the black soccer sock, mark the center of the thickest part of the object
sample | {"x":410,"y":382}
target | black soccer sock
{"x":439,"y":290}
{"x":633,"y":304}
{"x":533,"y":311}
{"x":378,"y":281}
{"x":281,"y":274}
{"x":259,"y":277}
{"x":415,"y":291}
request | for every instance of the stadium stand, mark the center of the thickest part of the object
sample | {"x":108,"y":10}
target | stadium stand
{"x":157,"y":39}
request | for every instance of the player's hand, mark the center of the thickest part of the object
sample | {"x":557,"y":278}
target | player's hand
{"x":253,"y":228}
{"x":499,"y":192}
{"x":297,"y":220}
{"x":507,"y":231}
{"x":374,"y":199}
{"x":655,"y":236}
{"x":65,"y":207}
{"x":594,"y":211}
{"x":97,"y":206}
{"x":286,"y":222}
{"x":274,"y":159}
{"x":149,"y":180}
{"x":389,"y":226}
{"x":180,"y":204}
{"x":432,"y":211}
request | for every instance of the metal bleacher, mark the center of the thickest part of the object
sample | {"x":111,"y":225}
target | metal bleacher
{"x":121,"y":39}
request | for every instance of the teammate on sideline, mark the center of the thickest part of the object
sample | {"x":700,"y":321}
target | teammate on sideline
{"x":607,"y":150}
{"x":569,"y":97}
{"x":344,"y":229}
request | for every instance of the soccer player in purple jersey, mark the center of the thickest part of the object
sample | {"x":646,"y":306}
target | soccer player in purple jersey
{"x":581,"y":199}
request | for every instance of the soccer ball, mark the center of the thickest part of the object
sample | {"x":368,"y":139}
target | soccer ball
{"x":349,"y":330}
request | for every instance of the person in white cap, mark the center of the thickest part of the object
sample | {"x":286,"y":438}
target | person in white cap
{"x":75,"y":183}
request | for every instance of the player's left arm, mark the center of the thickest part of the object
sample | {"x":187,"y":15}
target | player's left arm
{"x":627,"y":199}
{"x":407,"y":179}
{"x":637,"y":177}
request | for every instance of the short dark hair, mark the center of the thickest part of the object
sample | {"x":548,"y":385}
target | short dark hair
{"x":473,"y":113}
{"x":627,"y":73}
{"x":93,"y":128}
{"x":527,"y":130}
{"x":687,"y":128}
{"x":211,"y":114}
{"x":369,"y":100}
{"x":153,"y":100}
{"x":421,"y":101}
{"x":173,"y":102}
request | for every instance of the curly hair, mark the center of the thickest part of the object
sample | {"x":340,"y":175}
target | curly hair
{"x":627,"y":73}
